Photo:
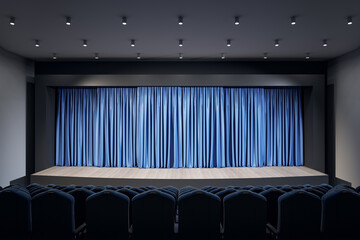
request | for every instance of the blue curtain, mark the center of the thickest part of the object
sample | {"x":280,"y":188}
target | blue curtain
{"x":179,"y":127}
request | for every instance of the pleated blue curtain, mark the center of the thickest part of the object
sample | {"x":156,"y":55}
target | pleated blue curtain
{"x":179,"y":127}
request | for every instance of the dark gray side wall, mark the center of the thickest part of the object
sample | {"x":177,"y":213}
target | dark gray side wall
{"x":314,"y":85}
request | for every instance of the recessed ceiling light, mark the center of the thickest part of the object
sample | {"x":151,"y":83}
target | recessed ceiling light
{"x":181,"y":56}
{"x":349,"y":20}
{"x":181,"y":20}
{"x":181,"y":43}
{"x":265,"y":56}
{"x":85,"y":44}
{"x":132,"y":42}
{"x":96,"y":56}
{"x":293,"y":20}
{"x":37,"y":43}
{"x":325,"y":43}
{"x":12,"y":21}
{"x":237,"y":20}
{"x":277,"y":44}
{"x":68,"y":21}
{"x":54,"y":56}
{"x":222,"y":55}
{"x":124,"y":21}
{"x":228,"y":43}
{"x":138,"y":56}
{"x":307,"y":56}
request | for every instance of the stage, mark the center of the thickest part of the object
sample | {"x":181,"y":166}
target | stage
{"x":180,"y":177}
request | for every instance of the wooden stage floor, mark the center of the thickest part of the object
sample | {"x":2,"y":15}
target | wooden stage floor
{"x":180,"y":177}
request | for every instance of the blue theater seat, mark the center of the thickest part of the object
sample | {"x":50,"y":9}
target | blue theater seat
{"x":199,"y":215}
{"x":107,"y":216}
{"x":15,"y":214}
{"x":272,"y":195}
{"x":341,"y":214}
{"x":80,"y":195}
{"x":244,"y":216}
{"x":53,"y":216}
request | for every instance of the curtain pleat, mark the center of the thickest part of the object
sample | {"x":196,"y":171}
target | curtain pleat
{"x":179,"y":127}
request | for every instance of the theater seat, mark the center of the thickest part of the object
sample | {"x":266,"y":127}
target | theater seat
{"x":244,"y":216}
{"x":272,"y":195}
{"x":80,"y":195}
{"x":341,"y":214}
{"x":199,"y":216}
{"x":299,"y":216}
{"x":15,"y":214}
{"x":53,"y":216}
{"x":153,"y":214}
{"x":107,"y":216}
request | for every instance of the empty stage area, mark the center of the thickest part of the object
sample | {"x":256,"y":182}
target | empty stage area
{"x":179,"y":177}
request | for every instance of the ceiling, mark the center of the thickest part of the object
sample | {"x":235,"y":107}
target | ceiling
{"x":153,"y":24}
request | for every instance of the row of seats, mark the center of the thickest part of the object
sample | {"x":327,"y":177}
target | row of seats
{"x":260,"y":212}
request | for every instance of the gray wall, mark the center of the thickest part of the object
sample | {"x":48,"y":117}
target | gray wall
{"x":344,"y":73}
{"x":13,"y":77}
{"x":314,"y":95}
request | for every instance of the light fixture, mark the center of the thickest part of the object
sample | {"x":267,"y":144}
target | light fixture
{"x":349,"y":20}
{"x":85,"y":43}
{"x":132,"y":42}
{"x":228,"y":43}
{"x":237,"y":20}
{"x":181,"y":56}
{"x":181,"y":43}
{"x":277,"y":44}
{"x":222,"y":55}
{"x":293,"y":20}
{"x":265,"y":56}
{"x":12,"y":21}
{"x":96,"y":56}
{"x":54,"y":56}
{"x":181,"y":20}
{"x":307,"y":56}
{"x":37,"y":43}
{"x":138,"y":56}
{"x":124,"y":21}
{"x":68,"y":21}
{"x":325,"y":43}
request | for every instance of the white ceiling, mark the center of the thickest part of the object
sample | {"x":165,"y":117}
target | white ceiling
{"x":153,"y":24}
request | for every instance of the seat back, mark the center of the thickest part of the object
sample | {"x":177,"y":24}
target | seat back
{"x":153,"y":214}
{"x":299,"y":215}
{"x":53,"y":215}
{"x":15,"y":214}
{"x":272,"y":195}
{"x":341,"y":214}
{"x":245,"y":216}
{"x":80,"y":195}
{"x":199,"y":215}
{"x":107,"y":215}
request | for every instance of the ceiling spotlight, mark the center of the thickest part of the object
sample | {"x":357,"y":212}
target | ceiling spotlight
{"x":37,"y":43}
{"x":237,"y":20}
{"x":54,"y":56}
{"x":349,"y":20}
{"x":325,"y":43}
{"x":293,"y":20}
{"x":181,"y":43}
{"x":228,"y":43}
{"x":181,"y":56}
{"x":277,"y":43}
{"x":265,"y":56}
{"x":96,"y":56}
{"x":12,"y":21}
{"x":181,"y":20}
{"x":124,"y":21}
{"x":307,"y":56}
{"x":85,"y":43}
{"x":132,"y":42}
{"x":138,"y":56}
{"x":222,"y":55}
{"x":68,"y":21}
